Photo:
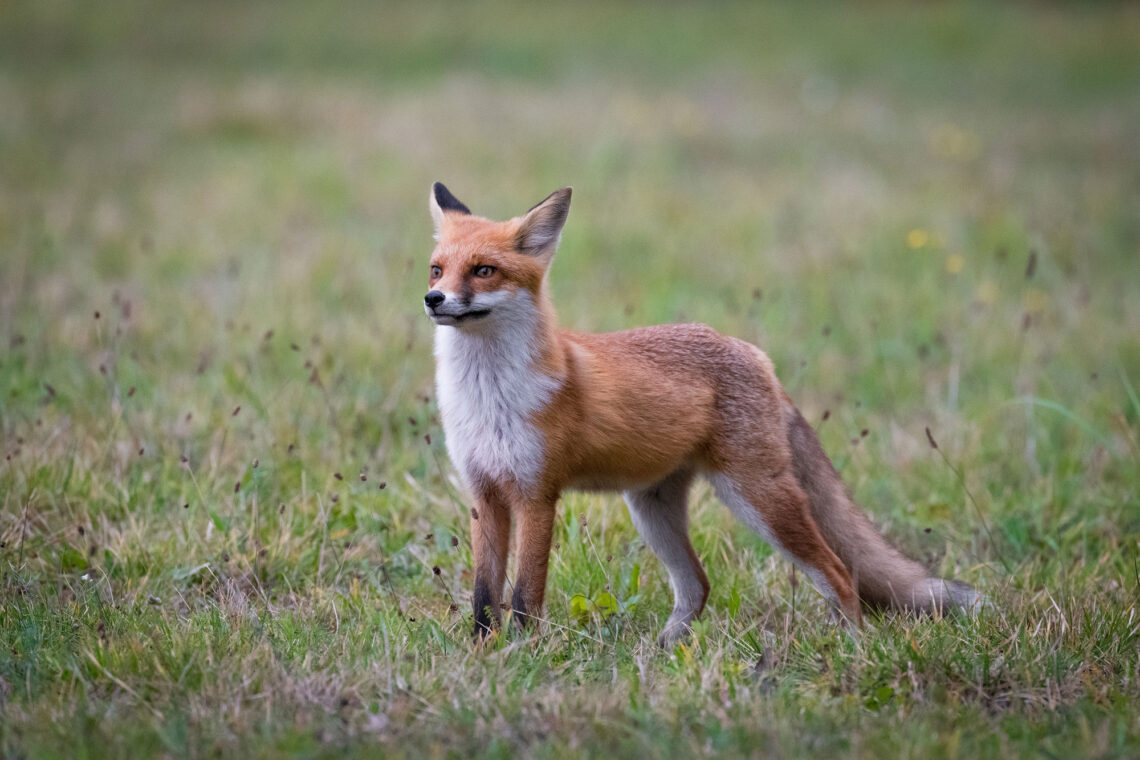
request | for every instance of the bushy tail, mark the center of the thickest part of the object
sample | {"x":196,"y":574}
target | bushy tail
{"x":883,"y":576}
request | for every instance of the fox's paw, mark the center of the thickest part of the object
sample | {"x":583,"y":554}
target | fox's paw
{"x":844,"y":621}
{"x":675,"y":632}
{"x":483,"y":636}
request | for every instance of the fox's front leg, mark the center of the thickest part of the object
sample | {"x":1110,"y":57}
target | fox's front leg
{"x":490,"y":539}
{"x":534,"y":531}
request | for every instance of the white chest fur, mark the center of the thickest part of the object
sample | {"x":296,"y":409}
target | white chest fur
{"x":489,"y":390}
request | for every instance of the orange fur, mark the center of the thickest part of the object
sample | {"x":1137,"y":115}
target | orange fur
{"x":641,"y":411}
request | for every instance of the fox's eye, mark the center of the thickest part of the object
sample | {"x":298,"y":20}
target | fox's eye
{"x":484,"y":271}
{"x":436,"y":272}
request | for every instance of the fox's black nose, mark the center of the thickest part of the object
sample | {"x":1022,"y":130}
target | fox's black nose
{"x":434,"y":298}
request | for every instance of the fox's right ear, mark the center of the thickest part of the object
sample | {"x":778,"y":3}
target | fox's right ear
{"x":441,"y":200}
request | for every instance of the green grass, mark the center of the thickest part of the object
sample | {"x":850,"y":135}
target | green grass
{"x":224,"y":486}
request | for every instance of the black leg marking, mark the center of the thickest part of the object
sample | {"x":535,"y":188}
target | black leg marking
{"x":486,"y":617}
{"x":518,"y":608}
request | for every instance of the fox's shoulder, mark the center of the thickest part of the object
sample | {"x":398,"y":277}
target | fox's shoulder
{"x":692,"y":344}
{"x":651,"y":337}
{"x":652,"y":340}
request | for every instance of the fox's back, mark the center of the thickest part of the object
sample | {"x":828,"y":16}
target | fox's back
{"x":680,"y":353}
{"x":649,"y":399}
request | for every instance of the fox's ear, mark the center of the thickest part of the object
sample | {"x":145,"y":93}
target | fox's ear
{"x":542,"y":226}
{"x":440,"y":200}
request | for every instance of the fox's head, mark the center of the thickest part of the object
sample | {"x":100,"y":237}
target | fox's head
{"x":482,"y":269}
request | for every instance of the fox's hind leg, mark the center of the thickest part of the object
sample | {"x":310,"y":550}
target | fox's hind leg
{"x":660,"y":514}
{"x":777,"y":508}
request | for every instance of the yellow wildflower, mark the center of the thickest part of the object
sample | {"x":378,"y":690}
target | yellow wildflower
{"x":917,"y":238}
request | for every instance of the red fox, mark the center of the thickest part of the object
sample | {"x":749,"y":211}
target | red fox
{"x":529,"y":410}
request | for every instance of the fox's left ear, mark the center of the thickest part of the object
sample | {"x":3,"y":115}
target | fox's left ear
{"x":441,"y":200}
{"x":542,"y":226}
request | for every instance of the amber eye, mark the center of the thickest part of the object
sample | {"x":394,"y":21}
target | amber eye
{"x":484,"y":271}
{"x":436,"y":272}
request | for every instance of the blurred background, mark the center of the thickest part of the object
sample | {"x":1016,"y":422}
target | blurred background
{"x":849,"y":164}
{"x":928,"y":209}
{"x":882,"y":170}
{"x":214,"y":239}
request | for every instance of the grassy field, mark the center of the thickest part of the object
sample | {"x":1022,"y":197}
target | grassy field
{"x":229,"y":526}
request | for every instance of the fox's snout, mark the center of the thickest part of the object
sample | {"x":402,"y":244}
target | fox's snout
{"x":434,"y":298}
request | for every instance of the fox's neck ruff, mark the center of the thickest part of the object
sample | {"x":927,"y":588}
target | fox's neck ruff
{"x":490,"y":382}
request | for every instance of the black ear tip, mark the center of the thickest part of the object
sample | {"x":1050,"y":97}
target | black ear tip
{"x":564,"y":197}
{"x":446,"y":200}
{"x":559,"y":198}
